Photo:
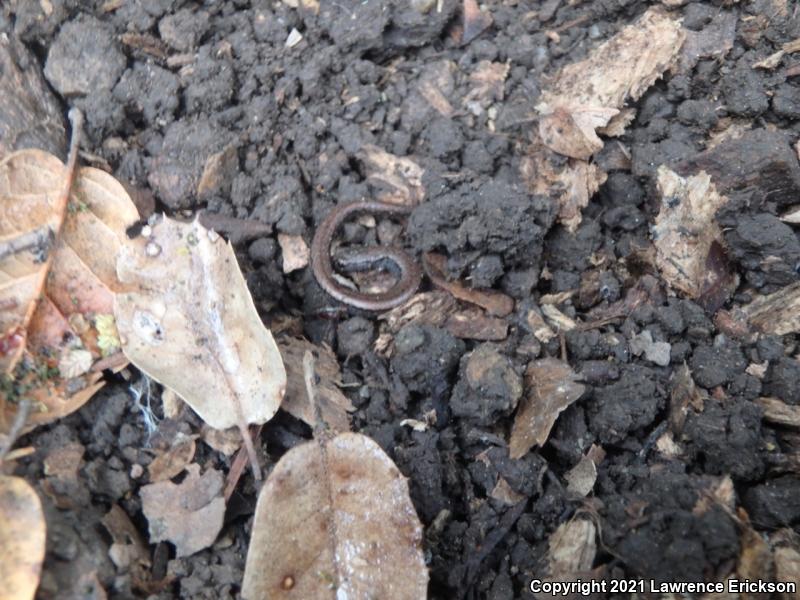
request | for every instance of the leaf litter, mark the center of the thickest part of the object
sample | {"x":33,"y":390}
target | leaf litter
{"x":61,"y":228}
{"x":189,"y":307}
{"x":334,"y":520}
{"x":583,"y":98}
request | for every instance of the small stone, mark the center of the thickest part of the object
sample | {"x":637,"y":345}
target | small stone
{"x":152,"y":249}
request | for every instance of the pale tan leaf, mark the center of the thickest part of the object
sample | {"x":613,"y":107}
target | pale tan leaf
{"x":572,"y":548}
{"x":685,"y":232}
{"x":226,"y":441}
{"x":570,"y":130}
{"x":617,"y":71}
{"x":191,"y":312}
{"x":332,"y":404}
{"x":22,"y":539}
{"x":487,"y":83}
{"x":294,"y":251}
{"x":174,"y":460}
{"x":551,"y":386}
{"x":128,"y":551}
{"x":334,"y":520}
{"x":581,"y":477}
{"x":777,"y":411}
{"x":398,"y":179}
{"x":188,"y":514}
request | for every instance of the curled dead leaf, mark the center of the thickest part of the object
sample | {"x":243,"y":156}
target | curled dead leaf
{"x":334,"y":520}
{"x":551,"y":386}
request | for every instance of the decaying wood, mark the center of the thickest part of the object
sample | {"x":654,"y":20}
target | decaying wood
{"x":777,"y":313}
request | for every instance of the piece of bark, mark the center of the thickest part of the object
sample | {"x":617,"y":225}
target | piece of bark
{"x":760,"y":163}
{"x":30,"y":116}
{"x":777,"y":313}
{"x":778,"y":412}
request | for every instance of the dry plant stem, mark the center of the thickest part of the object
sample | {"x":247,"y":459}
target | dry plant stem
{"x":23,"y":409}
{"x":238,"y":465}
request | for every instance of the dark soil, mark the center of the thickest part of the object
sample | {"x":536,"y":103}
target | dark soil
{"x":164,"y":84}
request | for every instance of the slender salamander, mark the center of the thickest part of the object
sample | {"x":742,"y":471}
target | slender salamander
{"x":322,"y":265}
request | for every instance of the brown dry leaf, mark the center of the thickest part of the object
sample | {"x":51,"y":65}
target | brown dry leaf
{"x":475,"y":21}
{"x":128,"y":551}
{"x":581,"y":478}
{"x":226,"y":441}
{"x":397,"y":179}
{"x":334,"y":520}
{"x":777,"y":313}
{"x":778,"y":412}
{"x":62,"y":482}
{"x":495,"y":303}
{"x":488,"y":83}
{"x":294,"y":251}
{"x":572,"y":548}
{"x":71,"y":326}
{"x":755,"y":556}
{"x":188,"y":514}
{"x":569,"y":184}
{"x":687,"y":238}
{"x":551,"y":386}
{"x":570,"y":130}
{"x":332,"y":404}
{"x":618,"y":70}
{"x":473,"y":324}
{"x":174,"y":460}
{"x":22,"y":539}
{"x":192,"y":312}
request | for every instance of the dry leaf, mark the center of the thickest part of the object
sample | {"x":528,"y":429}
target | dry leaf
{"x":581,"y":477}
{"x":488,"y":83}
{"x":174,"y":460}
{"x":572,"y":548}
{"x":22,"y":539}
{"x":496,"y":303}
{"x":777,"y":411}
{"x":334,"y":520}
{"x":570,"y":130}
{"x":397,"y":179}
{"x":295,"y":252}
{"x":71,"y":326}
{"x":332,"y":404}
{"x":551,"y":386}
{"x":188,"y":514}
{"x":226,"y":441}
{"x":473,"y":324}
{"x":687,"y":237}
{"x":128,"y":551}
{"x":777,"y":313}
{"x":569,"y":184}
{"x":618,"y":70}
{"x":475,"y":21}
{"x":192,"y":312}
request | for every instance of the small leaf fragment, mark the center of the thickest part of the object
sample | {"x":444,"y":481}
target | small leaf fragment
{"x":334,"y":520}
{"x":551,"y":386}
{"x":188,"y":514}
{"x":22,"y":539}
